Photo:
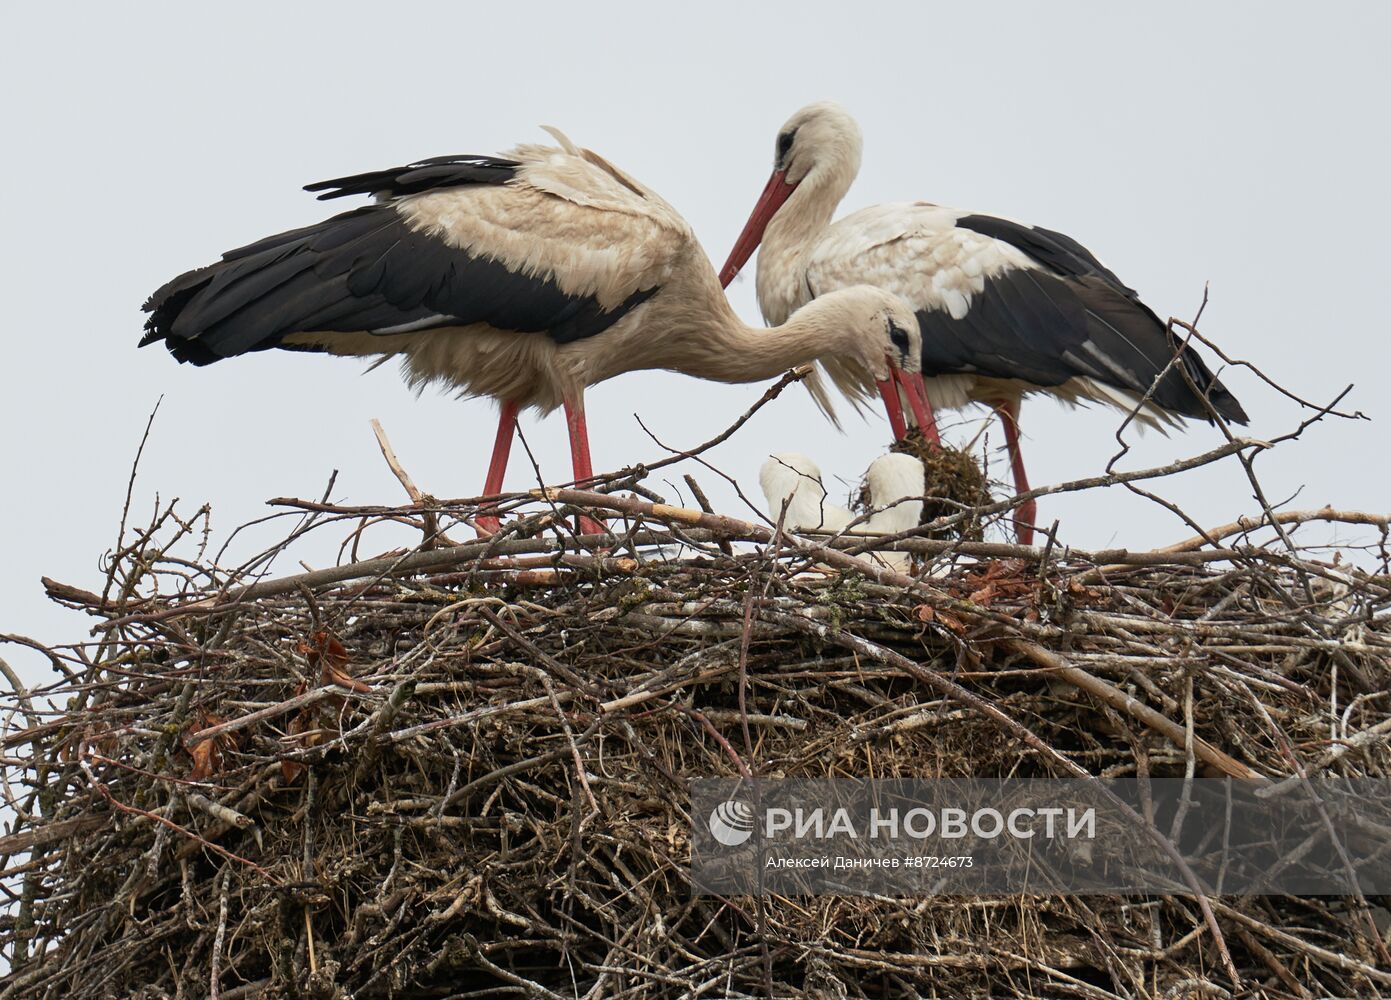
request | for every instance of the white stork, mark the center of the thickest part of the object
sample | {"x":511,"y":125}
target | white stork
{"x":525,"y":278}
{"x":1005,"y":309}
{"x":896,"y":486}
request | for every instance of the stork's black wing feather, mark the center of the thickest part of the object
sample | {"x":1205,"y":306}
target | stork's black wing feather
{"x":365,"y":270}
{"x":1070,"y":317}
{"x":1056,"y":251}
{"x":422,"y":175}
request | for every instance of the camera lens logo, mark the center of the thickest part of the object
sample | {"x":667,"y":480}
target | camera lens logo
{"x":731,"y":822}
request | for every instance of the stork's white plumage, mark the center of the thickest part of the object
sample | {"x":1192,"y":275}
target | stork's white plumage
{"x":794,"y":480}
{"x":1005,"y":309}
{"x":526,"y":278}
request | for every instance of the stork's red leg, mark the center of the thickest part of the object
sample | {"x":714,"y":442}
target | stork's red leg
{"x":497,"y":468}
{"x":579,"y":453}
{"x":1027,"y":512}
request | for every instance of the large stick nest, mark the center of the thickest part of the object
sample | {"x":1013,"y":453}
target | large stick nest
{"x":461,"y":770}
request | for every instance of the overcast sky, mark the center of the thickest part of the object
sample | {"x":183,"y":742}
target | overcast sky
{"x":1241,"y":144}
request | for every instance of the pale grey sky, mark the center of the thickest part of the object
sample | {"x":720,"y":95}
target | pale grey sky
{"x":1231,"y":143}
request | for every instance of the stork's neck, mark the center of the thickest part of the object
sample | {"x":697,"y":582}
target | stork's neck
{"x":722,"y":348}
{"x":792,"y":234}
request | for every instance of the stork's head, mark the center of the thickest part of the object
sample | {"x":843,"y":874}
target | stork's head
{"x":822,"y":137}
{"x":819,"y":144}
{"x":882,"y":350}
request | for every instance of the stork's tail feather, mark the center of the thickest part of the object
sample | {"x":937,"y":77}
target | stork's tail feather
{"x":1227,"y":405}
{"x":1210,"y":390}
{"x":164,"y":307}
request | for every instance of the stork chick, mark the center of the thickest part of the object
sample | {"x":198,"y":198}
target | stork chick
{"x":897,"y":484}
{"x":793,"y":479}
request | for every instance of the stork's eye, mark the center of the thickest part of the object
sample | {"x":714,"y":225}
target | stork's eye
{"x":785,"y":144}
{"x":899,"y":336}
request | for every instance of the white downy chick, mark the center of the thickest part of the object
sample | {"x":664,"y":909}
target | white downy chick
{"x":896,"y":486}
{"x":795,"y":479}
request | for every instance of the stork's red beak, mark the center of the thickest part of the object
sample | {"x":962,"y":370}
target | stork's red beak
{"x":774,"y":194}
{"x":922,"y":408}
{"x":911,"y":388}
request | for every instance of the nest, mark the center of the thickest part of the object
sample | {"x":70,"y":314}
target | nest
{"x":460,"y":770}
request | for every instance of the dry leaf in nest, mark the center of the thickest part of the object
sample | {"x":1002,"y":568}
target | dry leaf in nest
{"x":206,"y":760}
{"x":323,"y":650}
{"x":995,"y":580}
{"x":206,"y":754}
{"x":1075,"y":588}
{"x":927,"y":614}
{"x":302,"y":722}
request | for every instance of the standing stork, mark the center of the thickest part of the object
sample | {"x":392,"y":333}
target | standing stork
{"x":525,"y":278}
{"x":1005,"y":309}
